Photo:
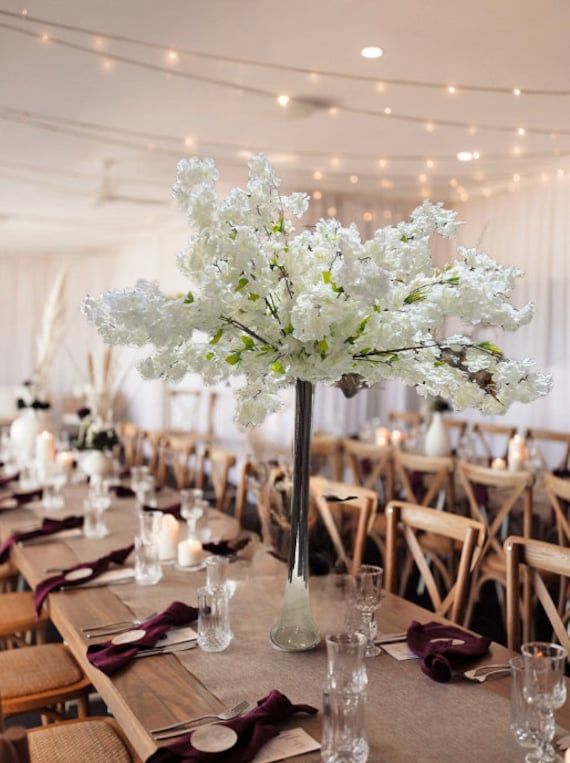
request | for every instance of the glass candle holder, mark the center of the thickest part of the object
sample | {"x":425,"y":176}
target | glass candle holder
{"x":150,"y":524}
{"x":345,"y":658}
{"x":148,"y":570}
{"x":523,"y":722}
{"x":344,"y":738}
{"x":94,"y":526}
{"x":214,"y":634}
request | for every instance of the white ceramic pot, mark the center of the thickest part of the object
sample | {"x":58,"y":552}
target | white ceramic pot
{"x":437,"y":442}
{"x":23,"y":433}
{"x":96,"y":464}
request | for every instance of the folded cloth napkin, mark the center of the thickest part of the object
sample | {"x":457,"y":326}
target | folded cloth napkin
{"x":122,"y":491}
{"x":110,"y":658}
{"x":254,"y":730}
{"x":171,"y":508}
{"x":97,"y":567}
{"x":226,"y":547}
{"x":21,"y":497}
{"x":48,"y":527}
{"x":5,"y":479}
{"x":443,"y":647}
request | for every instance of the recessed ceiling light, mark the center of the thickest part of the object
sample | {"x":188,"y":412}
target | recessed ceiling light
{"x":387,"y":111}
{"x":430,"y":127}
{"x":283,"y":100}
{"x":317,"y":175}
{"x":451,"y":89}
{"x":331,"y":211}
{"x":353,"y":179}
{"x":521,"y":131}
{"x":383,"y":162}
{"x":430,"y":163}
{"x":317,"y":195}
{"x":465,"y":156}
{"x":371,"y":51}
{"x":516,"y":91}
{"x":367,"y":217}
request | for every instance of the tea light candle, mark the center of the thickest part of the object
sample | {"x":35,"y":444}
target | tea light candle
{"x":397,"y":438}
{"x":65,"y":460}
{"x":189,"y":552}
{"x":45,"y":448}
{"x":499,"y":463}
{"x":382,"y":436}
{"x":168,"y":538}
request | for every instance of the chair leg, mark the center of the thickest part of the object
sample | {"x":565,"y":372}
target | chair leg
{"x":83,"y":706}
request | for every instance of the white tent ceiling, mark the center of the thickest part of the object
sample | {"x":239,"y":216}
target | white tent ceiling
{"x":51,"y":171}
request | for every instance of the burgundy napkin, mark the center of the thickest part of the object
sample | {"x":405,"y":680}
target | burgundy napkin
{"x":226,"y":547}
{"x":110,"y":658}
{"x":6,"y":479}
{"x":48,"y":527}
{"x":171,"y":508}
{"x":21,"y":497}
{"x":254,"y":730}
{"x":99,"y":566}
{"x":122,"y":491}
{"x":440,"y":657}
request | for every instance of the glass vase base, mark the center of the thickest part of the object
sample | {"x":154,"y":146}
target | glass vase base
{"x":292,"y":638}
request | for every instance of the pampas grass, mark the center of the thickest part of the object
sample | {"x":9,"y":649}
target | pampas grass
{"x":51,"y":329}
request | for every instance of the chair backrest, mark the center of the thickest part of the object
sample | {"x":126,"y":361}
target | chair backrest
{"x":537,"y":557}
{"x":456,"y":429}
{"x":558,"y":492}
{"x":410,"y":470}
{"x":180,"y":457}
{"x":216,"y":466}
{"x":408,"y":418}
{"x":412,"y":519}
{"x":191,"y":402}
{"x":131,"y":438}
{"x":514,"y":487}
{"x":359,"y":502}
{"x":535,"y":434}
{"x":156,"y":443}
{"x":252,"y":478}
{"x":371,"y":466}
{"x":326,"y":456}
{"x":485,"y":430}
{"x":14,"y":746}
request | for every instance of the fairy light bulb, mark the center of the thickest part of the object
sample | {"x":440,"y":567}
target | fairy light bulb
{"x":331,"y":211}
{"x":283,"y":100}
{"x":317,"y":175}
{"x":430,"y":127}
{"x":367,"y":217}
{"x":451,"y":89}
{"x":353,"y":179}
{"x":382,"y":162}
{"x":517,"y":91}
{"x":430,"y":164}
{"x":521,"y":131}
{"x":387,"y":111}
{"x":317,"y":195}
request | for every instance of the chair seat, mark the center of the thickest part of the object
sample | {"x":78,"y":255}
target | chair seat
{"x":17,"y":613}
{"x":36,"y":669}
{"x":89,"y":741}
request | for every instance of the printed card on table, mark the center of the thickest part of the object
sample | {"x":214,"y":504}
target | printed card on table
{"x":399,"y":651}
{"x":287,"y":745}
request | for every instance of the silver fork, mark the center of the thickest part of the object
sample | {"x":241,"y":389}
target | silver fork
{"x":117,"y":624}
{"x":484,"y":672}
{"x":227,"y":715}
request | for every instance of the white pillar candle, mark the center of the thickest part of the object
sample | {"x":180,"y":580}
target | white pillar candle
{"x":382,"y":436}
{"x":516,"y":453}
{"x":65,"y":461}
{"x":397,"y":438}
{"x":189,"y":553}
{"x":45,"y":448}
{"x":168,"y":538}
{"x":499,"y":463}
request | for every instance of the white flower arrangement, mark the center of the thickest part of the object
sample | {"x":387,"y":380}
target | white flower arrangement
{"x":273,"y":306}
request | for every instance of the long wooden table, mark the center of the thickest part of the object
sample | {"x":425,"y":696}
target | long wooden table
{"x":410,"y":718}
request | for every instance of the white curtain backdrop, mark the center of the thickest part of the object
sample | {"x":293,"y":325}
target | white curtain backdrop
{"x":529,"y":228}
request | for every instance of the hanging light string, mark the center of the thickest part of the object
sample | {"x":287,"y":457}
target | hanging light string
{"x":309,"y":72}
{"x":387,"y":113}
{"x":186,"y":142}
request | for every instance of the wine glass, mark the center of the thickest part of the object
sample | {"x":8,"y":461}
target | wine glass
{"x":192,"y":509}
{"x":545,"y":692}
{"x":367,"y":595}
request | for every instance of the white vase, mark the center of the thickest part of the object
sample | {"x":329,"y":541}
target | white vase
{"x":437,"y":442}
{"x":96,"y":464}
{"x":23,"y":433}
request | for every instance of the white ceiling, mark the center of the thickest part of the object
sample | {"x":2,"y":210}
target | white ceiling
{"x":512,"y":43}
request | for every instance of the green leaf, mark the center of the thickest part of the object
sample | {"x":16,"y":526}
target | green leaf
{"x":490,"y":347}
{"x":241,"y":283}
{"x":404,"y":238}
{"x":209,"y":355}
{"x":288,"y":329}
{"x":323,"y":347}
{"x":278,"y":227}
{"x":233,"y":234}
{"x":247,"y":341}
{"x":253,"y":297}
{"x":439,"y":363}
{"x":217,"y":336}
{"x":277,"y":368}
{"x":189,"y":298}
{"x":266,"y":348}
{"x":414,"y":296}
{"x":327,"y":276}
{"x":454,"y":280}
{"x":234,"y":358}
{"x":376,"y":309}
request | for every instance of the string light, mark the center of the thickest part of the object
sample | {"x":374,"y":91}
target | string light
{"x":244,"y":154}
{"x":283,"y":100}
{"x":335,"y":161}
{"x":353,"y":179}
{"x":424,"y":193}
{"x":465,"y":156}
{"x":430,"y":127}
{"x":331,"y":211}
{"x":382,"y":162}
{"x":487,"y":192}
{"x":387,"y":214}
{"x":99,"y":43}
{"x":313,"y":77}
{"x":188,"y":141}
{"x":430,"y":164}
{"x":544,"y":176}
{"x":317,"y":175}
{"x":387,"y":111}
{"x":521,"y":131}
{"x":479,"y":176}
{"x":453,"y":183}
{"x":472,"y":130}
{"x":317,"y":195}
{"x":380,"y":87}
{"x":451,"y":89}
{"x":333,"y":111}
{"x":517,"y":150}
{"x":44,"y":37}
{"x":172,"y":56}
{"x":23,"y":13}
{"x":371,"y":51}
{"x":150,"y":146}
{"x":422,"y":177}
{"x":516,"y":178}
{"x":367,"y":217}
{"x":107,"y":64}
{"x":387,"y":184}
{"x":517,"y":91}
{"x":560,"y":172}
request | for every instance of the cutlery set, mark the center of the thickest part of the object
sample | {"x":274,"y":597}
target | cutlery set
{"x":184,"y":727}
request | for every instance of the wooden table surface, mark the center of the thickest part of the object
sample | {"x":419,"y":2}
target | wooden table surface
{"x":410,"y":717}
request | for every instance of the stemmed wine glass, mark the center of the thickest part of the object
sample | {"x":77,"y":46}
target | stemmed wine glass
{"x":545,"y":692}
{"x":192,"y":509}
{"x":367,"y":595}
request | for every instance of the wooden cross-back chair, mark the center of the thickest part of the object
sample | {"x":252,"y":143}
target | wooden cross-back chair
{"x":336,"y":501}
{"x":484,"y":430}
{"x":326,"y":456}
{"x":157,"y":449}
{"x":253,"y":477}
{"x":456,"y":429}
{"x":216,"y":465}
{"x":131,"y":438}
{"x":181,"y":459}
{"x":513,"y":490}
{"x":535,"y":557}
{"x":197,"y":403}
{"x":558,"y":492}
{"x":409,"y":419}
{"x":535,"y":434}
{"x":412,"y":519}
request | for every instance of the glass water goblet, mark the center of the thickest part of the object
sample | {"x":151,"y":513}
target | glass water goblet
{"x":146,"y":491}
{"x":214,"y":633}
{"x":367,"y":595}
{"x":545,"y":692}
{"x":150,"y":525}
{"x":345,"y":658}
{"x":94,"y":526}
{"x":192,"y":509}
{"x":523,"y":724}
{"x":148,"y":570}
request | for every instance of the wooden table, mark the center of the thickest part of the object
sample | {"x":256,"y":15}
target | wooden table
{"x":410,"y":718}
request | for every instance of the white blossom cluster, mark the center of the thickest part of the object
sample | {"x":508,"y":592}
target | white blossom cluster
{"x":272,"y":305}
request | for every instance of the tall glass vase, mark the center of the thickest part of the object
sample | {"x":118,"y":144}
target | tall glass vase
{"x":295,"y":630}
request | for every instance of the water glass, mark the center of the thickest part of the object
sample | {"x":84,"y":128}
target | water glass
{"x":150,"y":523}
{"x":345,"y":658}
{"x":367,"y":595}
{"x":138,"y":473}
{"x":148,"y":570}
{"x":146,"y":491}
{"x":545,"y":692}
{"x":344,"y":738}
{"x":94,"y":526}
{"x":28,"y":476}
{"x":523,"y":716}
{"x":99,"y":492}
{"x":52,"y":499}
{"x":192,"y":509}
{"x":214,"y":634}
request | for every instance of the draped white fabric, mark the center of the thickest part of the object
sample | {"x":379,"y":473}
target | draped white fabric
{"x":529,"y":228}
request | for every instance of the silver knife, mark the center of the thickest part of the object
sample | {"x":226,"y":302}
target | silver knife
{"x":165,"y":650}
